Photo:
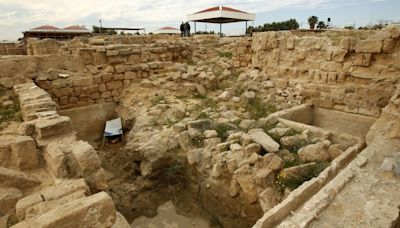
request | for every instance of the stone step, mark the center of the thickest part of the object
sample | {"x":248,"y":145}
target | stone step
{"x":97,"y":210}
{"x":50,"y":198}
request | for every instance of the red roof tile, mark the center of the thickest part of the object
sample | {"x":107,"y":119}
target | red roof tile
{"x":74,"y":27}
{"x":45,"y":27}
{"x":223,"y":8}
{"x":168,"y":28}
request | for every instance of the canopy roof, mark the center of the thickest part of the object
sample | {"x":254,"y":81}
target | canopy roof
{"x":221,"y":15}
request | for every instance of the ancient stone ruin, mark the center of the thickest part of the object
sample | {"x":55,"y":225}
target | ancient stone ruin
{"x":281,"y":129}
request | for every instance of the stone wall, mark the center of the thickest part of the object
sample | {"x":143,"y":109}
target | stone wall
{"x":348,"y":72}
{"x":43,"y":47}
{"x":11,"y":49}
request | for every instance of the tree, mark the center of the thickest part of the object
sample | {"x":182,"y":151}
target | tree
{"x":321,"y":25}
{"x":274,"y":26}
{"x":312,"y":21}
{"x":97,"y":29}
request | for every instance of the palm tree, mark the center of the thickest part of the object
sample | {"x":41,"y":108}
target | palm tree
{"x":312,"y":21}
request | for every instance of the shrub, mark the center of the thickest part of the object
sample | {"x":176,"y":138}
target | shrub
{"x":259,"y":109}
{"x":222,"y":131}
{"x":226,"y":54}
{"x":292,"y":183}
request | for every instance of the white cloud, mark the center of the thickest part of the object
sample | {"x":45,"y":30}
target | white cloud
{"x":24,"y":14}
{"x":128,"y":11}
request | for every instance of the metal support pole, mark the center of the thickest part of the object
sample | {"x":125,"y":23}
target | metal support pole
{"x":245,"y":29}
{"x":220,"y":29}
{"x":194,"y":27}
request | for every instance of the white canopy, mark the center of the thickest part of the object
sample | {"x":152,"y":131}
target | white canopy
{"x":221,"y":15}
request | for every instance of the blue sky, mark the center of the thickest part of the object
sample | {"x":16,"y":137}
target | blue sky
{"x":20,"y":15}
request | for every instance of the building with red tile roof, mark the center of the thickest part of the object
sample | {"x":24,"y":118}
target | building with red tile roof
{"x":167,"y":30}
{"x":52,"y":32}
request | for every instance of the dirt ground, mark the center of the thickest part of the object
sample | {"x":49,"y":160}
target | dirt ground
{"x":151,"y":202}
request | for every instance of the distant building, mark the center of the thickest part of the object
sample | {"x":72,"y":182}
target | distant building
{"x":167,"y":30}
{"x":48,"y":31}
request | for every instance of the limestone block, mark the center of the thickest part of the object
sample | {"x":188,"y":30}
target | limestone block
{"x":61,"y":83}
{"x":290,"y":43}
{"x":85,"y":159}
{"x":362,"y":59}
{"x":51,"y":197}
{"x":365,"y":72}
{"x":97,"y":210}
{"x":113,"y":85}
{"x":17,"y":179}
{"x":314,"y":153}
{"x":5,"y":150}
{"x":345,"y":43}
{"x":129,"y":75}
{"x":47,"y":205}
{"x":24,"y":153}
{"x":55,"y":160}
{"x":83,"y":81}
{"x":243,"y":175}
{"x":275,"y":164}
{"x":194,"y":156}
{"x":119,"y":77}
{"x":369,"y":46}
{"x":97,"y":181}
{"x":264,"y":140}
{"x":268,"y":198}
{"x":331,"y":66}
{"x":92,"y":69}
{"x":49,"y":127}
{"x":107,"y":77}
{"x":120,"y":68}
{"x":389,"y":45}
{"x":8,"y":199}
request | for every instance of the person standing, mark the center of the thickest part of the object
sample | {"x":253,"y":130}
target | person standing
{"x":182,"y":29}
{"x":187,"y":29}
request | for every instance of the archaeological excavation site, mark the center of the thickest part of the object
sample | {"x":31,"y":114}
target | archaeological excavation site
{"x":278,"y":129}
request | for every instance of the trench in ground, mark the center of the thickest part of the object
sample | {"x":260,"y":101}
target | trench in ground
{"x":139,"y":199}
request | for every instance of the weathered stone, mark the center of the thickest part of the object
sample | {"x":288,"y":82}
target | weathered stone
{"x":275,"y":164}
{"x":56,"y":162}
{"x":24,"y":153}
{"x":314,"y":152}
{"x":369,"y":46}
{"x":8,"y":199}
{"x":194,"y":156}
{"x":264,"y":140}
{"x":5,"y":150}
{"x":114,"y":85}
{"x":17,"y":179}
{"x":334,"y":151}
{"x":234,"y":188}
{"x":49,"y":127}
{"x":268,"y":198}
{"x":252,"y":148}
{"x":244,"y":177}
{"x":51,"y":197}
{"x":77,"y":213}
{"x":85,"y":159}
{"x":83,"y":81}
{"x":210,"y":134}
